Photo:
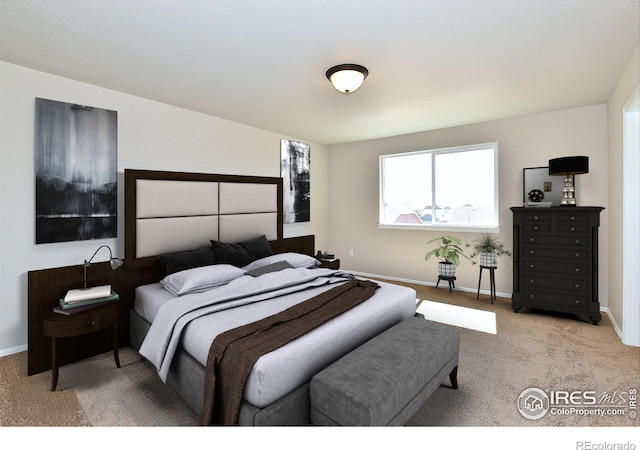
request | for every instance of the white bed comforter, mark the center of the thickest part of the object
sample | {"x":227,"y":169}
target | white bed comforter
{"x":165,"y":332}
{"x":279,"y":372}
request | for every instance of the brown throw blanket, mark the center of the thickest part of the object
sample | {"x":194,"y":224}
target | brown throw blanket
{"x":234,"y":352}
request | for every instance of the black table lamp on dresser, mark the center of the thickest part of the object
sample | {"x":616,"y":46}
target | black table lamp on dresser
{"x":569,"y":166}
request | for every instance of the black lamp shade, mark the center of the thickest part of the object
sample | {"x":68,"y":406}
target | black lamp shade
{"x":569,"y":165}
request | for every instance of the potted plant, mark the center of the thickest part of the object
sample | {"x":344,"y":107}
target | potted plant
{"x":448,"y":250}
{"x":488,"y":247}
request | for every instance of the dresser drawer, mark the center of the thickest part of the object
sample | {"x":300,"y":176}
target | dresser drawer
{"x":536,"y":227}
{"x":572,"y":228}
{"x":536,"y":217}
{"x":556,"y":239}
{"x":577,"y":217}
{"x":546,"y":300}
{"x":569,"y":284}
{"x":565,"y":268}
{"x":552,"y":253}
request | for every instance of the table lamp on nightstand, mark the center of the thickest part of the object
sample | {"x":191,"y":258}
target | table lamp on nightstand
{"x":87,"y":293}
{"x":114,"y":262}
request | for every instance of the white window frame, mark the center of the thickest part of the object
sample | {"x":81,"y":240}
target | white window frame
{"x":490,"y":227}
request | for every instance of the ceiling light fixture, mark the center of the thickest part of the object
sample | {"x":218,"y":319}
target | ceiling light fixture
{"x":347,"y":78}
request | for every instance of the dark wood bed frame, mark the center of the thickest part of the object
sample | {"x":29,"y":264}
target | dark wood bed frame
{"x":47,"y":286}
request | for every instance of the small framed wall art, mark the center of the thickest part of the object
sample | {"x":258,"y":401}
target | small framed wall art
{"x":295,"y":168}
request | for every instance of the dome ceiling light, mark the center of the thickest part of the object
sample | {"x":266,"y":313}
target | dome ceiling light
{"x":347,"y":78}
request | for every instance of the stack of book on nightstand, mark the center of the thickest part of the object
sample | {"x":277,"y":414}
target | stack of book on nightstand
{"x":79,"y":300}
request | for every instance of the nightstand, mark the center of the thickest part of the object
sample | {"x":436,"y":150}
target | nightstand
{"x":57,"y":326}
{"x":329,"y":263}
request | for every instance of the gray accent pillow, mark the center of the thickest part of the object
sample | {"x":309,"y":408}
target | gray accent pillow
{"x":275,"y":267}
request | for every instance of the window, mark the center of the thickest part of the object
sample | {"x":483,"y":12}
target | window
{"x":446,"y":188}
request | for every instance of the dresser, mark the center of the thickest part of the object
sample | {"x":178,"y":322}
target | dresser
{"x":555,"y":259}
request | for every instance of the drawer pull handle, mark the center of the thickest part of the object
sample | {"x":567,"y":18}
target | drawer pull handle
{"x":577,"y":254}
{"x":532,"y":281}
{"x":576,"y":269}
{"x":576,"y":285}
{"x":93,"y":322}
{"x":532,"y":266}
{"x":535,"y":217}
{"x":532,"y":252}
{"x":572,"y":228}
{"x":531,"y":295}
{"x":532,"y":239}
{"x":572,"y":218}
{"x":576,"y":301}
{"x":535,"y":228}
{"x":577,"y":241}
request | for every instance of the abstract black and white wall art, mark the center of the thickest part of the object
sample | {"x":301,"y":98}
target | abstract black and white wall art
{"x":76,"y":172}
{"x":295,"y":165}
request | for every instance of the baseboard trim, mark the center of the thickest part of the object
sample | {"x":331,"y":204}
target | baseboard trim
{"x":616,"y":327}
{"x":12,"y":350}
{"x":428,"y":283}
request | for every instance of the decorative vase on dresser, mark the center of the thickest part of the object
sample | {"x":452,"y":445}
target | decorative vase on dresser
{"x":555,"y":259}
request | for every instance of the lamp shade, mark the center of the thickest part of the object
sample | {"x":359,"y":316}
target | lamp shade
{"x":347,"y":78}
{"x":569,"y":165}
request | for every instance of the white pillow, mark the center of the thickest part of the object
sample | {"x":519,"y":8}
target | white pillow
{"x":295,"y":259}
{"x":200,"y":279}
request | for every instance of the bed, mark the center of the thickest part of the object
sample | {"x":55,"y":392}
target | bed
{"x":177,"y":221}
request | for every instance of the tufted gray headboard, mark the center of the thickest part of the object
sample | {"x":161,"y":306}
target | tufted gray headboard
{"x":168,"y":212}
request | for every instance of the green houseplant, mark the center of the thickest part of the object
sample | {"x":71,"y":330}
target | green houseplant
{"x":448,"y":250}
{"x":488,"y":247}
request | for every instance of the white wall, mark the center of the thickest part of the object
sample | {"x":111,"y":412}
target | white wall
{"x":627,"y":85}
{"x":528,"y":141}
{"x":151,"y":135}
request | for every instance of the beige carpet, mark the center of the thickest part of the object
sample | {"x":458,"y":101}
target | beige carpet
{"x":547,"y":351}
{"x":92,"y":392}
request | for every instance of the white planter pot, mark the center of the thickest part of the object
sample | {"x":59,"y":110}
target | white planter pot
{"x":446,"y":269}
{"x":488,"y":259}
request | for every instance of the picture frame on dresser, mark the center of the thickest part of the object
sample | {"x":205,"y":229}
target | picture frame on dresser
{"x":538,"y":178}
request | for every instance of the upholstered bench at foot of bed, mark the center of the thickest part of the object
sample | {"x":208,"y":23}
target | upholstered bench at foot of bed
{"x":387,"y":379}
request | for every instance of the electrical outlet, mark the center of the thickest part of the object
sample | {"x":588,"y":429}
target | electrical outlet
{"x":350,"y":252}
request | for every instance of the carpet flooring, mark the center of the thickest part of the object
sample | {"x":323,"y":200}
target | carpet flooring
{"x":552,"y":352}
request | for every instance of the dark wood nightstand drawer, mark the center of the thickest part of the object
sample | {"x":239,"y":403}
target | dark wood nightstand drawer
{"x":58,"y":325}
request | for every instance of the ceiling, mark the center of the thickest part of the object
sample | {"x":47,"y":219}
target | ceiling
{"x":432,"y":63}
